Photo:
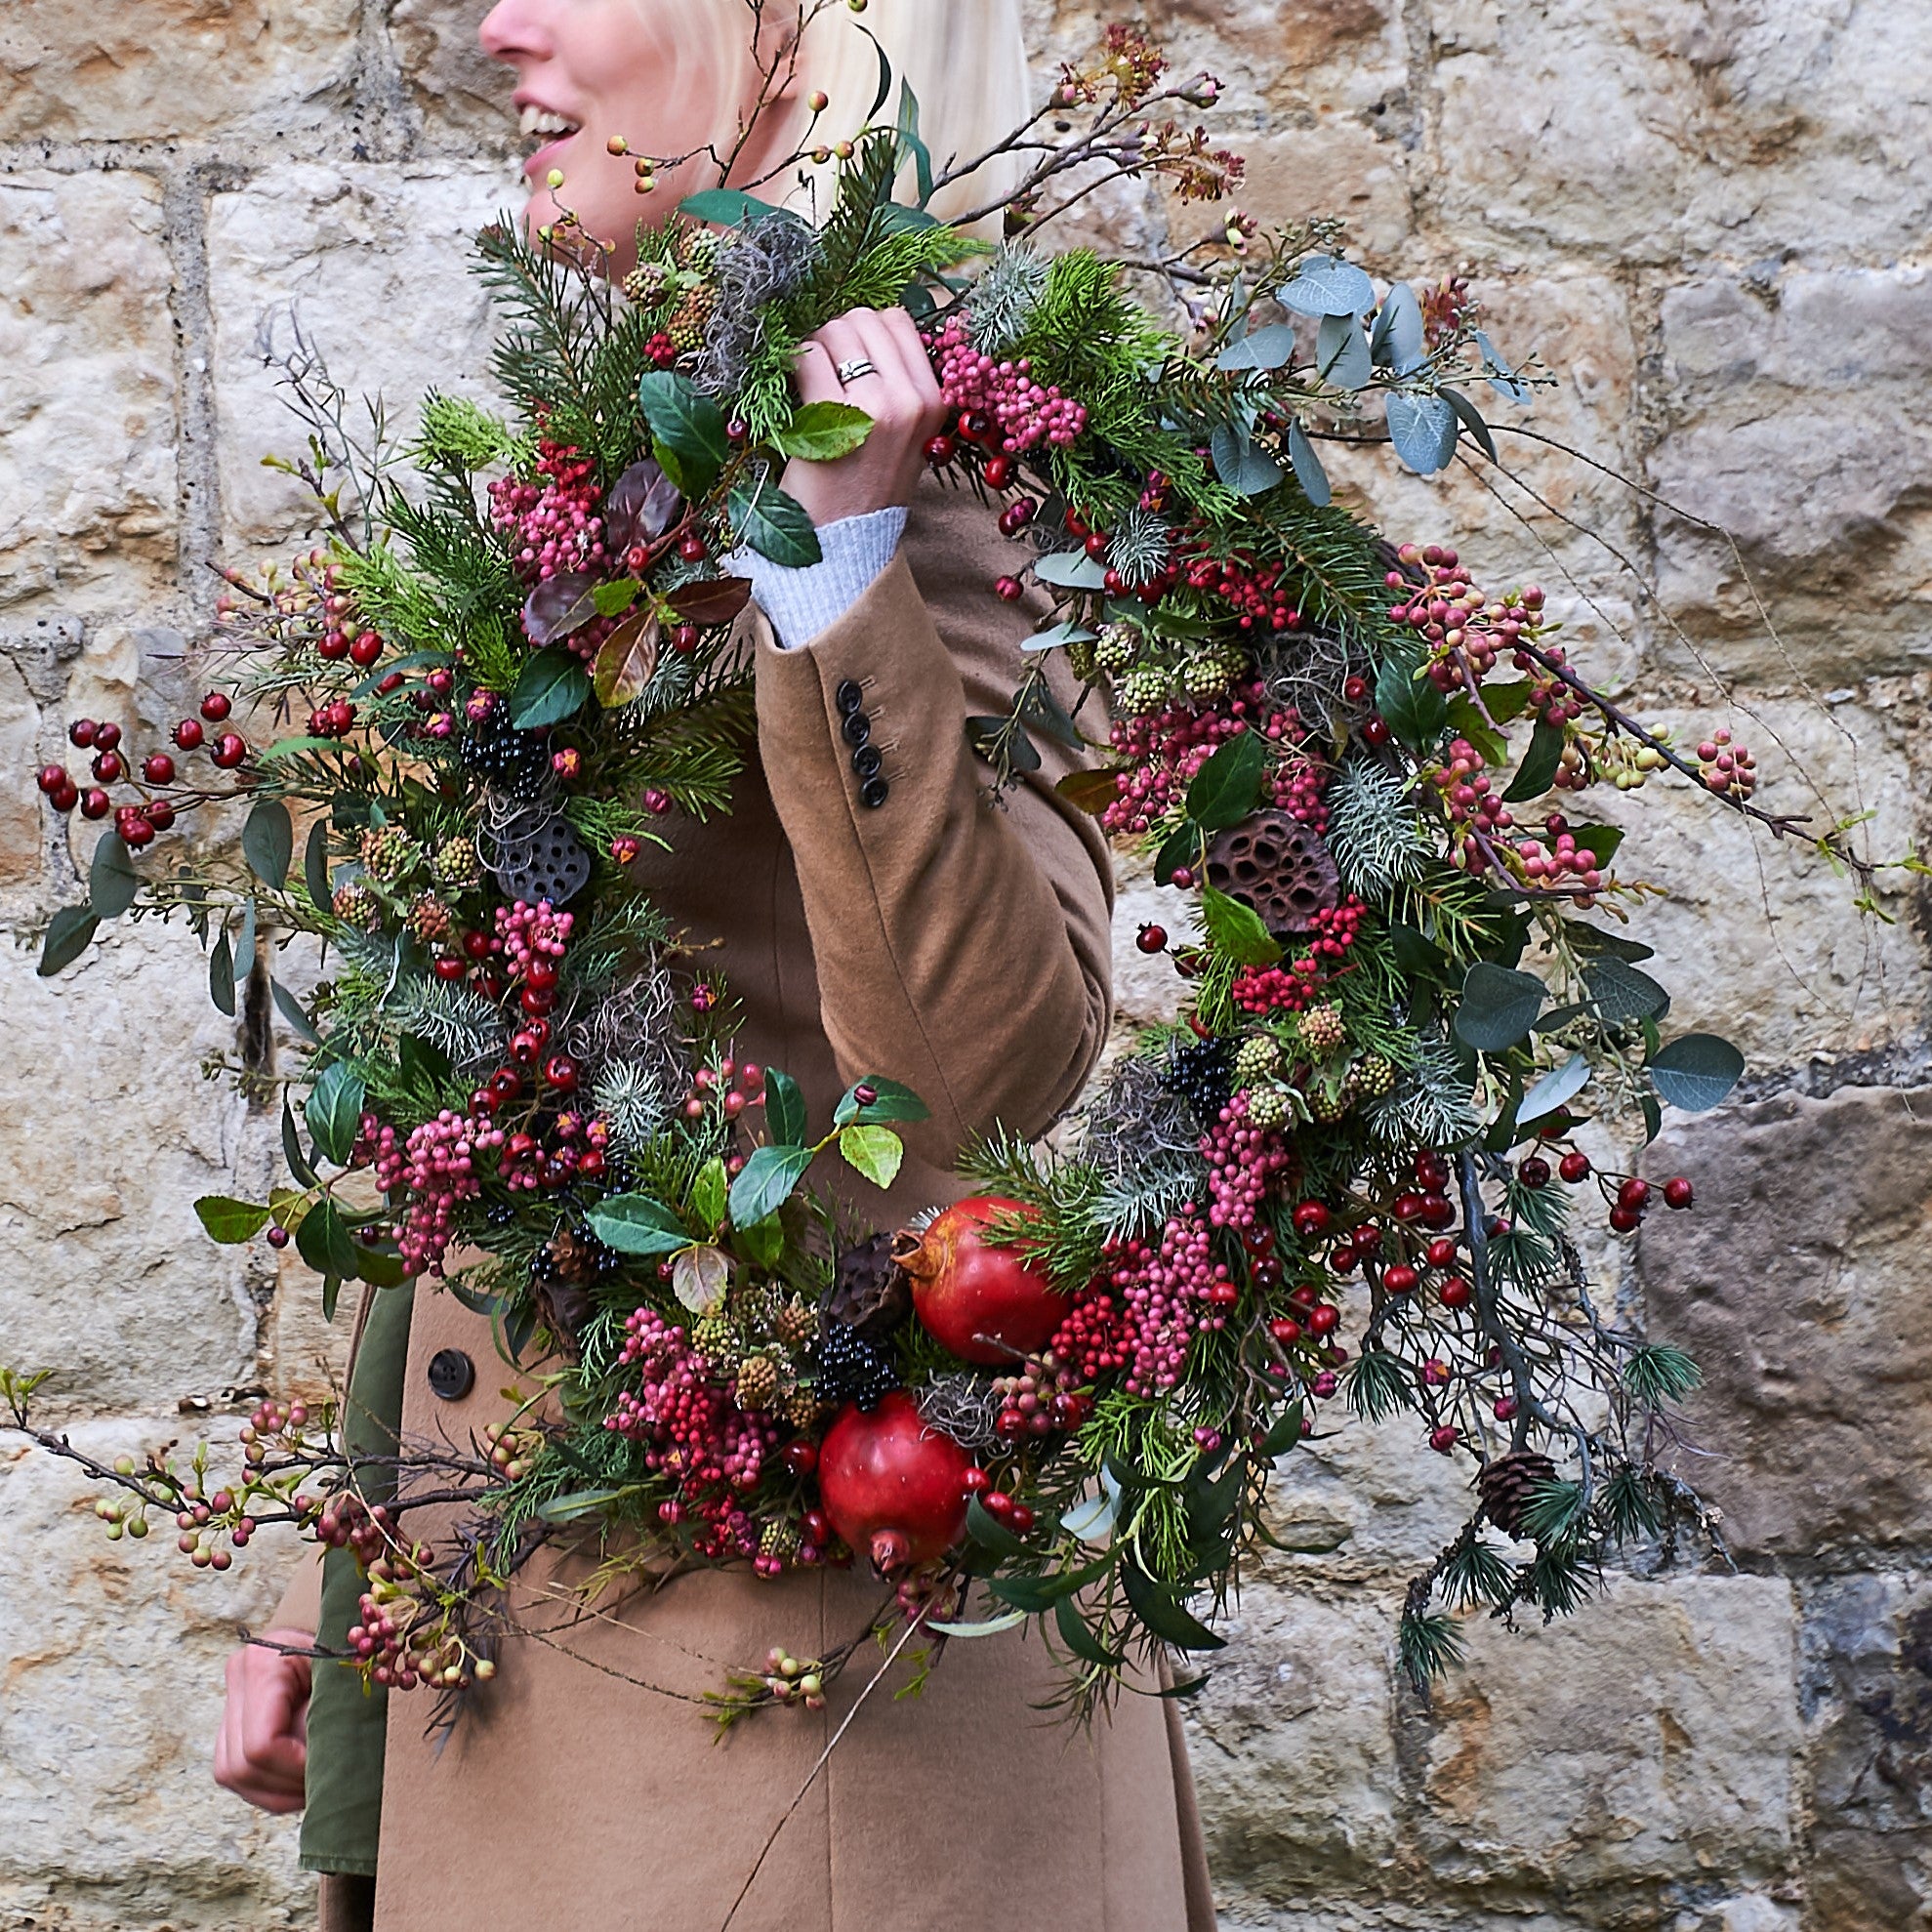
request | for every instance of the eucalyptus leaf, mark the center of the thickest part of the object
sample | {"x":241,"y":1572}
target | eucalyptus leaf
{"x":1500,"y":377}
{"x":1308,"y":471}
{"x":295,"y":1013}
{"x":221,"y":975}
{"x":1422,"y":430}
{"x":299,"y":1164}
{"x":1621,"y":992}
{"x":1498,"y":1007}
{"x":1326,"y":285}
{"x":1472,"y":419}
{"x":1397,"y":339}
{"x":1059,"y":636}
{"x":69,"y":934}
{"x":1078,"y":1635}
{"x":1007,"y":1620}
{"x":1341,"y":352}
{"x":1240,"y":462}
{"x":1697,"y":1071}
{"x":1070,"y":570}
{"x":1265,"y":348}
{"x":1554,"y":1088}
{"x":315,"y":866}
{"x":112,"y":883}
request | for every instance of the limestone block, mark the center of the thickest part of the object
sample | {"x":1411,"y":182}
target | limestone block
{"x":374,"y":264}
{"x":1655,"y":131}
{"x":87,"y":389}
{"x":106,"y":1277}
{"x":171,"y":69}
{"x":1798,"y":1283}
{"x":462,"y":95}
{"x":1799,"y":422}
{"x":1331,"y":55}
{"x":1340,"y":168}
{"x":1292,"y":1751}
{"x":1758,"y":939}
{"x":1637,"y":1746}
{"x":113,"y":1657}
{"x":1868,"y":1678}
{"x":23,"y":812}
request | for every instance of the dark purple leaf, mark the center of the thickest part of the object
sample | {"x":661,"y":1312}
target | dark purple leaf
{"x":557,"y":606}
{"x":639,"y":509}
{"x":716,"y":601}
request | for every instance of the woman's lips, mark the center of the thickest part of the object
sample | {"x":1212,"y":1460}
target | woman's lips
{"x":546,"y":157}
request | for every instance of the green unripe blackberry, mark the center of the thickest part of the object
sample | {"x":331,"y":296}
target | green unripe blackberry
{"x":1255,"y":1058}
{"x":1116,"y":647}
{"x":1144,"y":688}
{"x":1267,"y":1106}
{"x":1321,"y":1031}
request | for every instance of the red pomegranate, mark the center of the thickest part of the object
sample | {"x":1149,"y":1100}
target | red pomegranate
{"x":893,"y":1489}
{"x":987,"y":1304}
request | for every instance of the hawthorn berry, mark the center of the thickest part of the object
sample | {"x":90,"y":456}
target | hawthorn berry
{"x":94,"y":803}
{"x":1574,"y":1166}
{"x":230,"y":748}
{"x":1625,"y":1221}
{"x":1150,"y":938}
{"x":81,"y":732}
{"x":158,"y":769}
{"x":1444,"y":1439}
{"x":1441,"y":1251}
{"x":106,"y":737}
{"x":1635,"y":1193}
{"x":1311,"y":1217}
{"x":216,"y":706}
{"x":1454,"y":1293}
{"x":189,"y":734}
{"x":1678,"y":1192}
{"x":1534,"y":1172}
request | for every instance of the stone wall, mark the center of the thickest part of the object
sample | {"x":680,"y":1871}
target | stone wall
{"x":1706,"y":218}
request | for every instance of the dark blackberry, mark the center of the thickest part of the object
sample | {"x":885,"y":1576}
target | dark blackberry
{"x":847,"y":1368}
{"x":515,"y":762}
{"x":1203,"y":1074}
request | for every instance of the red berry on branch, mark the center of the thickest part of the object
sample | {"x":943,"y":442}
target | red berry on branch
{"x":1408,"y":1207}
{"x":230,"y":748}
{"x":1454,"y":1292}
{"x":1375,"y":731}
{"x":561,"y":1072}
{"x":1678,"y":1193}
{"x":801,"y":1458}
{"x":278,"y":1236}
{"x":1009,"y":588}
{"x":1285,"y":1331}
{"x":1635,"y":1193}
{"x":65,"y":799}
{"x":158,"y":769}
{"x":1440,"y":1252}
{"x":110,"y":766}
{"x":1355,"y":689}
{"x":692,"y":550}
{"x":940,"y":450}
{"x":106,"y":737}
{"x":1400,"y":1279}
{"x":136,"y":831}
{"x":1574,"y":1168}
{"x":51,"y":777}
{"x":189,"y":734}
{"x":684,"y":637}
{"x":1095,"y":544}
{"x":1625,"y":1221}
{"x":81,"y":732}
{"x":333,"y":646}
{"x":1444,"y":1439}
{"x":1324,"y":1317}
{"x":216,"y":706}
{"x":1312,"y":1217}
{"x":1534,"y":1172}
{"x":446,"y":968}
{"x":159,"y":813}
{"x":1152,"y":939}
{"x":94,"y":803}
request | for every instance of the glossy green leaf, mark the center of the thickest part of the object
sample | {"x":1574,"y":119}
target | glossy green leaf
{"x":766,"y":1182}
{"x":1165,"y":1615}
{"x":221,"y":975}
{"x":550,"y":688}
{"x":709,"y":1192}
{"x":295,"y":1013}
{"x":1237,"y":930}
{"x":1538,"y":767}
{"x":323,"y":1240}
{"x":687,"y":422}
{"x":1226,"y":789}
{"x":1498,"y":1007}
{"x":614,"y":598}
{"x":1410,"y":706}
{"x":1180,"y":847}
{"x":112,"y":883}
{"x":334,"y":1112}
{"x":1621,"y":992}
{"x":784,"y":1108}
{"x":891,"y":1102}
{"x":1078,"y":1635}
{"x":231,"y":1221}
{"x":1600,"y":842}
{"x":823,"y":432}
{"x":69,"y":934}
{"x":268,"y":842}
{"x":764,"y":1241}
{"x":991,"y":1534}
{"x":315,"y":866}
{"x":729,"y":207}
{"x":774,"y":525}
{"x":637,"y":1225}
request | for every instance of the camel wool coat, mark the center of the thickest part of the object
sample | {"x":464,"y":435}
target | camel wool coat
{"x":962,"y":948}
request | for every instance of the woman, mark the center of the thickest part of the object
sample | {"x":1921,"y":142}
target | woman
{"x":876,"y":920}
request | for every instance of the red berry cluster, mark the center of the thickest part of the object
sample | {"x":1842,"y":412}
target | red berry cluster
{"x":160,"y":800}
{"x":1291,"y":988}
{"x":1164,"y":749}
{"x":1630,"y":1198}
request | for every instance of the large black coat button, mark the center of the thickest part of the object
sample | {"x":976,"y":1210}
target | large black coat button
{"x":452,"y":1374}
{"x":866,"y":761}
{"x":858,"y":727}
{"x":873,"y":792}
{"x":848,"y":696}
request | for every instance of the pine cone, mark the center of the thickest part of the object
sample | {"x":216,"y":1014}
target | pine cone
{"x":572,"y":1257}
{"x":1506,"y":1483}
{"x":871,"y":1294}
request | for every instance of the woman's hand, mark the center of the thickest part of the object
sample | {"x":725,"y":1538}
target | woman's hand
{"x":260,"y":1751}
{"x":899,"y":393}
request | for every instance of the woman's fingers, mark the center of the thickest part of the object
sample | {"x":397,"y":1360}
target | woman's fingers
{"x":818,"y":380}
{"x":260,"y":1752}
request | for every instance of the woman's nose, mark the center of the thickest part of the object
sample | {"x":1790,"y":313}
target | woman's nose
{"x":515,"y":29}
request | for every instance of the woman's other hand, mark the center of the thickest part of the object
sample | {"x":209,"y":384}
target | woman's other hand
{"x":899,"y":393}
{"x":260,"y":1751}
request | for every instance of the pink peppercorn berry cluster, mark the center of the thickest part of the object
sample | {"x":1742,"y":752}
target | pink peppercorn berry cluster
{"x":1023,"y":414}
{"x":692,"y":1430}
{"x":1464,"y":629}
{"x":437,"y":1168}
{"x":1243,"y":1163}
{"x":532,"y":935}
{"x":1168,"y":747}
{"x":553,"y":525}
{"x":1727,"y":770}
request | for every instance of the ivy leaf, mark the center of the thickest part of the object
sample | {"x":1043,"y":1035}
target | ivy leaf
{"x":1498,"y":1007}
{"x":823,"y":432}
{"x":1240,"y":462}
{"x":1270,"y":348}
{"x":1237,"y":930}
{"x":875,"y":1151}
{"x":228,"y":1220}
{"x":1326,"y":285}
{"x":774,"y":525}
{"x":687,"y":422}
{"x":549,"y":688}
{"x":221,"y":975}
{"x":315,"y":866}
{"x":1564,"y":1083}
{"x":323,"y":1240}
{"x":1697,"y":1071}
{"x":1308,"y":471}
{"x":268,"y":842}
{"x":891,"y":1101}
{"x":716,"y":601}
{"x":69,"y":934}
{"x":1410,"y":706}
{"x":766,"y":1182}
{"x":334,"y":1111}
{"x":1538,"y":767}
{"x":699,"y":1277}
{"x":112,"y":883}
{"x":1341,"y":352}
{"x":707,"y":1193}
{"x":625,"y":661}
{"x":1224,"y":791}
{"x":1620,"y":992}
{"x":639,"y":507}
{"x":1423,"y":431}
{"x":784,"y":1108}
{"x":637,"y":1225}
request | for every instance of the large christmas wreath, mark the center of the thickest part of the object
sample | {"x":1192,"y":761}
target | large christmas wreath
{"x":1363,"y":773}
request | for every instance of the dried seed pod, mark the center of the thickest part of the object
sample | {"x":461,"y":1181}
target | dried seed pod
{"x":1279,"y":867}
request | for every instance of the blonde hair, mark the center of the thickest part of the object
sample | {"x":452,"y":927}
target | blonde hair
{"x":964,"y":60}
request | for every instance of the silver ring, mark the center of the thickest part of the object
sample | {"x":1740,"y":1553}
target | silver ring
{"x":853,"y":369}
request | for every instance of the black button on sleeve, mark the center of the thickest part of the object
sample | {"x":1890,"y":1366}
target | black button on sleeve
{"x":452,"y":1374}
{"x":848,"y":696}
{"x":873,"y":792}
{"x":858,"y":727}
{"x":866,"y":761}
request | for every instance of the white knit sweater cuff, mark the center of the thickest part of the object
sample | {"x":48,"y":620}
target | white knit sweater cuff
{"x":804,"y":599}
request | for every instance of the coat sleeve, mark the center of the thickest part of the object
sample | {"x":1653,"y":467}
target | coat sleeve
{"x":962,"y":946}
